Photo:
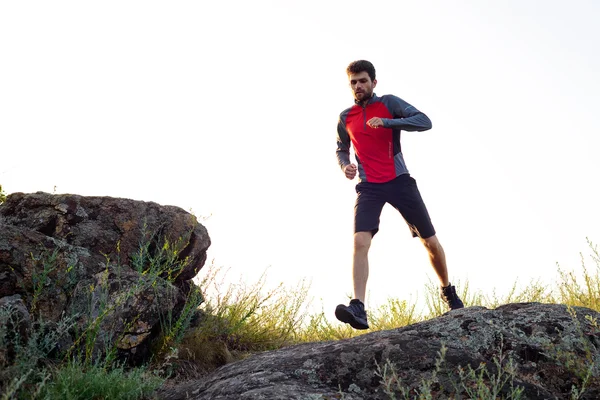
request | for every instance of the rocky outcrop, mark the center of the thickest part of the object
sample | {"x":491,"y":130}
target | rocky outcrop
{"x":110,"y":228}
{"x":117,"y":266}
{"x":543,"y":350}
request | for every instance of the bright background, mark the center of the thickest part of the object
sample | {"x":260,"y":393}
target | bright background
{"x":229,"y":109}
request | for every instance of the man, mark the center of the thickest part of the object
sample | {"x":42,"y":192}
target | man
{"x":372,"y":126}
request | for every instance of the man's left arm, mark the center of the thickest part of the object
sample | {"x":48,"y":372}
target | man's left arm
{"x":406,"y":117}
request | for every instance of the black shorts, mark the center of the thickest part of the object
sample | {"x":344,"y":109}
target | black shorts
{"x":402,"y":193}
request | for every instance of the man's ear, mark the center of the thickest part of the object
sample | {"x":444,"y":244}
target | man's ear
{"x":374,"y":82}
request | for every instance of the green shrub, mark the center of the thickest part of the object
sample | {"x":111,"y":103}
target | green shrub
{"x":25,"y":366}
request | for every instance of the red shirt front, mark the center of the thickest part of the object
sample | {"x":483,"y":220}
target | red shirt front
{"x":378,"y":150}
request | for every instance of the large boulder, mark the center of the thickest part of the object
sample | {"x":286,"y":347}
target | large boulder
{"x":118,"y":268}
{"x":551,"y":350}
{"x":112,"y":227}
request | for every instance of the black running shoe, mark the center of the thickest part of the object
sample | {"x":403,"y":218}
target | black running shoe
{"x":449,"y":295}
{"x":354,"y":314}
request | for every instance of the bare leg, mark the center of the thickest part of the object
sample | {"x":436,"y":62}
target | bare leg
{"x":437,"y":257}
{"x":360,"y":265}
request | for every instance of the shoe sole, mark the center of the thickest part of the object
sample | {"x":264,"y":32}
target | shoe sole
{"x":345,"y":316}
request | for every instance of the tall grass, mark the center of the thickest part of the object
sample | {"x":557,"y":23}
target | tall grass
{"x":582,"y":290}
{"x":249,"y":317}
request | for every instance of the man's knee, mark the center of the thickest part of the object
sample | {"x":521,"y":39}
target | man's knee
{"x":362,"y":241}
{"x":431,"y":242}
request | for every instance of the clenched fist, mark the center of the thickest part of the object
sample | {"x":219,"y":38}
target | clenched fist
{"x":350,"y":171}
{"x":375,"y":122}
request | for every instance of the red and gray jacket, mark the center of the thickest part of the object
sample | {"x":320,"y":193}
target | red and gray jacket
{"x":378,"y":152}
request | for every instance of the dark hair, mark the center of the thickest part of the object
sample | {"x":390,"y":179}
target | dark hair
{"x":358,"y":66}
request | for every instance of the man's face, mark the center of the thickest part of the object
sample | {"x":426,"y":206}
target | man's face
{"x":362,"y":85}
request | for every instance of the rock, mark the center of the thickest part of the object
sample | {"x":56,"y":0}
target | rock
{"x":121,"y":268}
{"x":538,"y":338}
{"x":112,"y":227}
{"x":41,"y":269}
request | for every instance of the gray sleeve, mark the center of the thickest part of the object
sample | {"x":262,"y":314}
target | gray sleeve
{"x":406,"y":117}
{"x":343,"y":145}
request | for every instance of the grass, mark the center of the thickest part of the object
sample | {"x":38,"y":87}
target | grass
{"x":583,"y":291}
{"x":243,"y":319}
{"x":221,"y":323}
{"x":76,"y":381}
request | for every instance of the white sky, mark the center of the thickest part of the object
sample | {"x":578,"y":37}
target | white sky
{"x":230,"y":109}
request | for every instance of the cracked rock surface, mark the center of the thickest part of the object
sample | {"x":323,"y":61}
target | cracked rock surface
{"x":537,"y":338}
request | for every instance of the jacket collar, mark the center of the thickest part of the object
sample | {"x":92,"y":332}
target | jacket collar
{"x":371,"y":99}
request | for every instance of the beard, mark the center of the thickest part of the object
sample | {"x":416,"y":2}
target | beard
{"x":363,"y":96}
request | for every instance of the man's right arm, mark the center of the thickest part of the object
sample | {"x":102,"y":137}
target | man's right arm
{"x":343,"y":145}
{"x":343,"y":151}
